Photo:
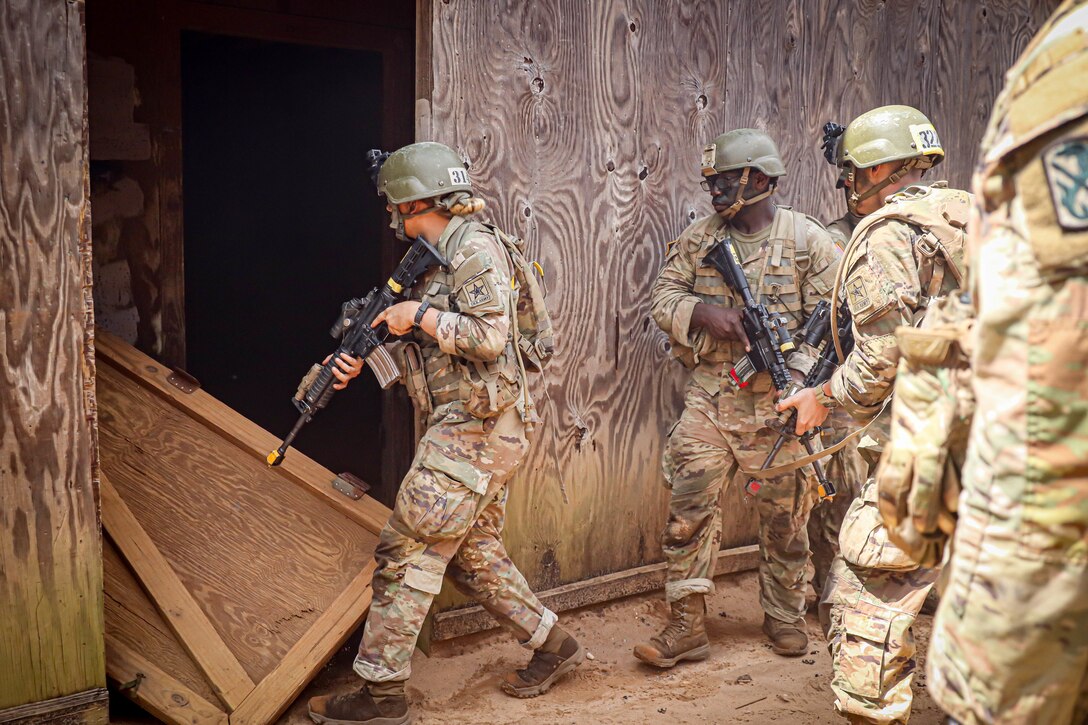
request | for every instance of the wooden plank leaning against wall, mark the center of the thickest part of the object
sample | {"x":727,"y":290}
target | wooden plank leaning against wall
{"x":51,"y":651}
{"x":590,"y":152}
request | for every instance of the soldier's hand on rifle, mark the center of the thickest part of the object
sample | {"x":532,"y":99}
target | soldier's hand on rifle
{"x":349,"y":367}
{"x":400,"y":318}
{"x":810,"y":412}
{"x":723,"y":323}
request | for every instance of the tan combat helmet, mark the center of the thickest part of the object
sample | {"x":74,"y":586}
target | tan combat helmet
{"x":425,"y":170}
{"x":421,"y":171}
{"x":883,"y":135}
{"x":742,"y":148}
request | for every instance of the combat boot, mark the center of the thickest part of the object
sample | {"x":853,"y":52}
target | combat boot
{"x":787,"y":638}
{"x":375,"y":703}
{"x":684,"y":637}
{"x":559,"y":654}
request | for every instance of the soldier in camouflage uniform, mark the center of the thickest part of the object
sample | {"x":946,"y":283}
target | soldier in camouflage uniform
{"x":790,"y":263}
{"x":1010,"y":642}
{"x":906,"y":252}
{"x":845,"y":469}
{"x":448,"y":516}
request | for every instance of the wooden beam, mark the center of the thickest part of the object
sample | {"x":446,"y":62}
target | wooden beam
{"x":468,"y":620}
{"x":156,"y":691}
{"x":83,"y":708}
{"x":241,"y":431}
{"x":282,"y":685}
{"x":178,"y":607}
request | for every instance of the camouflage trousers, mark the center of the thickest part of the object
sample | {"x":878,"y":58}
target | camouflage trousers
{"x":847,"y":471}
{"x":447,"y":522}
{"x":1010,"y":641}
{"x":873,"y":595}
{"x":701,"y":455}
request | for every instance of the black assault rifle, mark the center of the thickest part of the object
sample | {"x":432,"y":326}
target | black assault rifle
{"x":817,"y":333}
{"x":359,"y":339}
{"x":770,"y":341}
{"x":767,"y":334}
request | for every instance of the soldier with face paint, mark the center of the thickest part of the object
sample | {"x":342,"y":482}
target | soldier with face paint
{"x":790,"y":262}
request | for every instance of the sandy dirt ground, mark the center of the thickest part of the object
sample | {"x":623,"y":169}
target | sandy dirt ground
{"x":741,"y":682}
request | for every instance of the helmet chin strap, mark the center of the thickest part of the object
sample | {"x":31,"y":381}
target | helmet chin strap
{"x":739,"y":201}
{"x":854,"y":198}
{"x":397,"y":219}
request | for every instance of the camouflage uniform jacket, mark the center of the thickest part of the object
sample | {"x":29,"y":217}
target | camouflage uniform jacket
{"x":842,"y":229}
{"x":788,"y":277}
{"x":889,"y":275}
{"x":471,"y":362}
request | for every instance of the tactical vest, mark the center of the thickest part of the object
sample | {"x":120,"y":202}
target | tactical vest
{"x":771,"y":272}
{"x":939,"y":214}
{"x":485,"y":388}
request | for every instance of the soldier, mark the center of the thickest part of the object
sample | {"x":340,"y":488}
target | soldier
{"x":448,"y":516}
{"x":1010,"y":641}
{"x":790,"y":263}
{"x":845,"y":469}
{"x":904,"y":253}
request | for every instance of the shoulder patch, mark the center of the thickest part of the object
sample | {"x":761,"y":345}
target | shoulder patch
{"x":858,"y":295}
{"x":1066,"y":166}
{"x":477,"y":291}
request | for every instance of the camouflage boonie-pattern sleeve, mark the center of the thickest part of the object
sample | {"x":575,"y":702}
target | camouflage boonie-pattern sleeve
{"x":672,"y":299}
{"x":481,"y":288}
{"x":882,"y":289}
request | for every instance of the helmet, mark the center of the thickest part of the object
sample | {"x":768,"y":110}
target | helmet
{"x":740,"y":149}
{"x":421,"y":171}
{"x":890,"y":133}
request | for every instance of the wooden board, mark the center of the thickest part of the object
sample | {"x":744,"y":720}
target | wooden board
{"x":591,"y":153}
{"x":51,"y":643}
{"x":249,"y":577}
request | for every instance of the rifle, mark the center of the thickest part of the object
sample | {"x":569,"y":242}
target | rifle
{"x":770,"y":341}
{"x":359,"y":339}
{"x":767,"y":333}
{"x":817,"y":333}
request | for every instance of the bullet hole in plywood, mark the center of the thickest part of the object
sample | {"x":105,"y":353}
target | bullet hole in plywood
{"x":643,"y":173}
{"x":611,"y":165}
{"x":700,"y":102}
{"x":538,"y":85}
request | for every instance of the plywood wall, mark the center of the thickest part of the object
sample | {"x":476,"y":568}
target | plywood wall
{"x":583,"y":121}
{"x":50,"y":550}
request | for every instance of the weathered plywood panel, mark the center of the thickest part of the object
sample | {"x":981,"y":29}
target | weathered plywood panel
{"x":232,"y":529}
{"x":583,"y":122}
{"x":51,"y":642}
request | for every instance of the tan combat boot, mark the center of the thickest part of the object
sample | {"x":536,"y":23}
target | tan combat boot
{"x":684,"y":637}
{"x":559,"y":654}
{"x":787,"y":638}
{"x":375,"y":703}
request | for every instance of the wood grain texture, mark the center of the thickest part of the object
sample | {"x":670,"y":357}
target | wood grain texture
{"x":50,"y":552}
{"x":249,"y":437}
{"x":133,"y":622}
{"x":262,"y":557}
{"x":157,"y":691}
{"x":178,"y":608}
{"x":583,"y":123}
{"x":90,"y":707}
{"x":276,"y":692}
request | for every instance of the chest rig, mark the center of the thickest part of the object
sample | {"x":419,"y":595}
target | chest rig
{"x":772,"y":272}
{"x":939,"y":215}
{"x":437,"y":378}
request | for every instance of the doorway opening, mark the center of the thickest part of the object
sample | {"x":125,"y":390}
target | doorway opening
{"x":281,"y":225}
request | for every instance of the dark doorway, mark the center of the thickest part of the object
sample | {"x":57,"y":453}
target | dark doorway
{"x":281,"y":226}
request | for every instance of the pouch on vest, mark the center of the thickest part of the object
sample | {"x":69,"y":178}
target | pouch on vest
{"x":492,"y":387}
{"x":918,"y":480}
{"x":535,"y":335}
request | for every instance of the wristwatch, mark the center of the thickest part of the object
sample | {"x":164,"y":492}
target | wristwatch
{"x":824,"y":399}
{"x":423,"y":307}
